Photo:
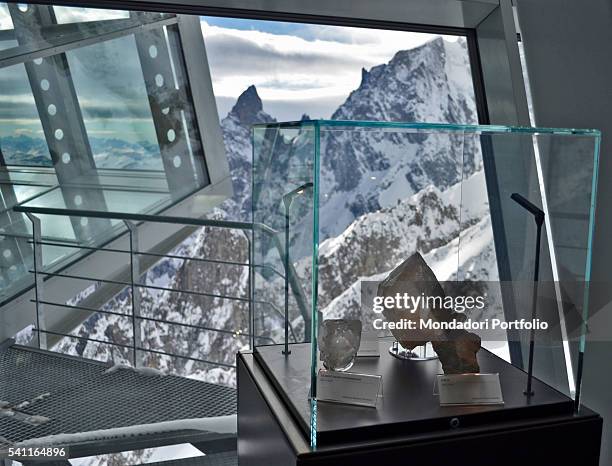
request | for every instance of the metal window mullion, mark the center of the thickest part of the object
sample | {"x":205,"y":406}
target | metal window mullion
{"x":166,"y":104}
{"x":184,"y":89}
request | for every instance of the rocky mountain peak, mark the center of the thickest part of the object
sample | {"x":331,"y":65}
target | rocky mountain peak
{"x":364,"y":76}
{"x":248,"y":107}
{"x":434,"y":46}
{"x":430,"y":82}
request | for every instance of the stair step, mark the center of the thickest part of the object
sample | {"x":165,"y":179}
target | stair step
{"x":226,"y":458}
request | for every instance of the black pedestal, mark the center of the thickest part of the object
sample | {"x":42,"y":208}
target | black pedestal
{"x":408,"y":426}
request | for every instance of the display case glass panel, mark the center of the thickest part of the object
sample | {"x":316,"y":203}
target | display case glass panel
{"x":344,"y":212}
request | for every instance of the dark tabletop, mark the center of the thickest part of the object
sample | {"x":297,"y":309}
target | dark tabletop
{"x":408,"y":404}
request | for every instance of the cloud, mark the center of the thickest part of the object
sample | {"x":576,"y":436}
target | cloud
{"x":237,"y":54}
{"x":16,"y":100}
{"x":14,"y":79}
{"x":133,"y":109}
{"x":292,"y":85}
{"x":364,"y":36}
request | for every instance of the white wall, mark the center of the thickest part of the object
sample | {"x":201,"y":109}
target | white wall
{"x":568,"y":49}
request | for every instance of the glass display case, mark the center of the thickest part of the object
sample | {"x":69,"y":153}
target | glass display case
{"x":348,"y":213}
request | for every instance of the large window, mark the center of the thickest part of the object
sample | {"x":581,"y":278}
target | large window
{"x":21,"y":135}
{"x":261,"y":71}
{"x":309,"y":69}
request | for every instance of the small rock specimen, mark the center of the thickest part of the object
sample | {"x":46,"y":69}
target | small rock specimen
{"x":339,"y":341}
{"x":458,"y":352}
{"x":456,"y":348}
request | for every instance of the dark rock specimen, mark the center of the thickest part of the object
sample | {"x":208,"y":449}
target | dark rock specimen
{"x":456,"y":348}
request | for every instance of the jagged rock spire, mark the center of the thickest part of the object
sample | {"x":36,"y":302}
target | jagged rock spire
{"x":248,"y":106}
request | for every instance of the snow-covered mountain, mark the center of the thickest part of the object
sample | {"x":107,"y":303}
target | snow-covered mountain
{"x":383,"y":197}
{"x":430,"y":83}
{"x":455,"y":241}
{"x":376,"y":242}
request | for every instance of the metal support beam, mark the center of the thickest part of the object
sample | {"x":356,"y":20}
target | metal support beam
{"x":189,"y":121}
{"x":60,"y":115}
{"x":506,"y":99}
{"x":501,"y":68}
{"x":495,"y":40}
{"x":442,"y":13}
{"x":204,"y":103}
{"x":15,"y":252}
{"x":61,"y":38}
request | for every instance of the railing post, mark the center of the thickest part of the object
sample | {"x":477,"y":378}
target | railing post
{"x":250,"y":291}
{"x":134,"y":289}
{"x":38,"y":280}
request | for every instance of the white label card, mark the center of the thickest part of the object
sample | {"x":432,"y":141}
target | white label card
{"x":470,"y":389}
{"x":369,"y":344}
{"x":348,"y":388}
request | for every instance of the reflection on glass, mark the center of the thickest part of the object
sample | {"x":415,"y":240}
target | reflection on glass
{"x":115,"y":106}
{"x":22,"y":140}
{"x":72,"y":14}
{"x":96,"y":105}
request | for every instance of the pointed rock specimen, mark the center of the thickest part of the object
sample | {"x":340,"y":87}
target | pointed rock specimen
{"x":456,"y":348}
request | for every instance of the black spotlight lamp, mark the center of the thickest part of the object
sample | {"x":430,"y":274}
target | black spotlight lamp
{"x":538,"y":215}
{"x":287,"y":201}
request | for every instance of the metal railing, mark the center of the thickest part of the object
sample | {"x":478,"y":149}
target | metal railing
{"x":135,"y":284}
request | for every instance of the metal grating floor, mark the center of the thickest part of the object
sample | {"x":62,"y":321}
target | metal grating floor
{"x":77,"y":395}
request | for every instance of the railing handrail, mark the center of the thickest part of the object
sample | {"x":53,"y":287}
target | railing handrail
{"x":133,"y":218}
{"x":229,"y":224}
{"x":152,"y":218}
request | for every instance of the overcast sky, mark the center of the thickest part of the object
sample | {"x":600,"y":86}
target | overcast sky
{"x":297,"y":68}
